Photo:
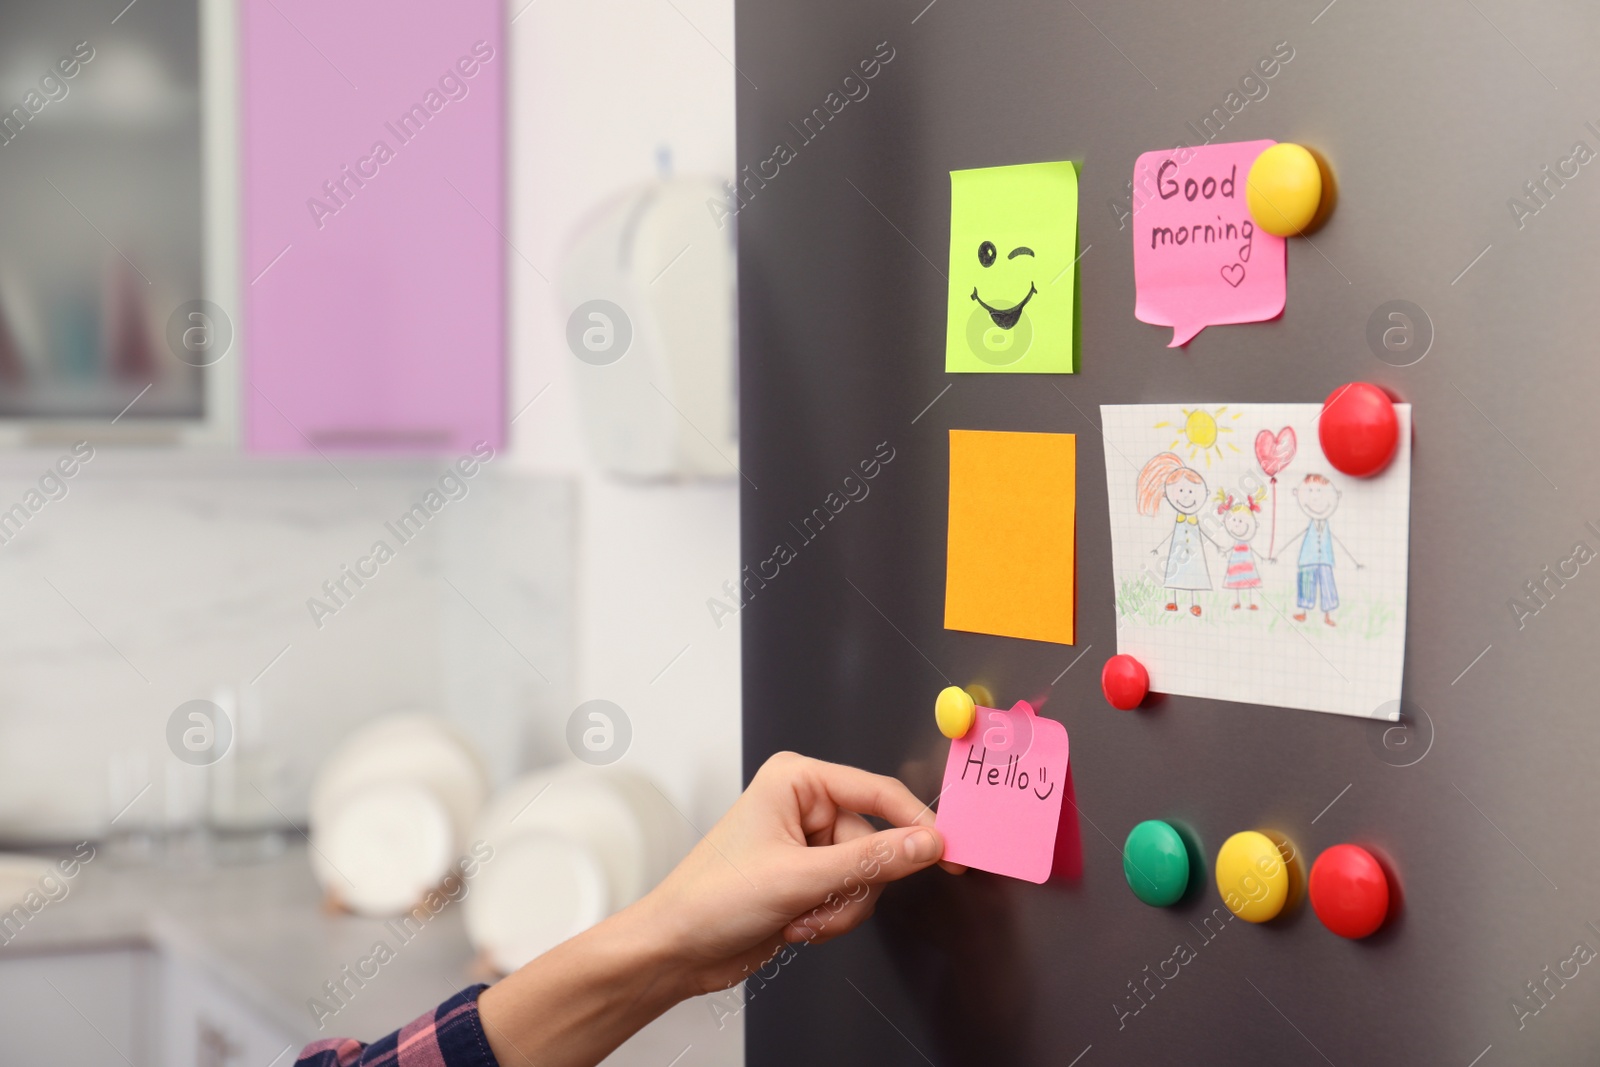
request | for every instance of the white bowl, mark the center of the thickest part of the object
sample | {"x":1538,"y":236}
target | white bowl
{"x":383,"y":847}
{"x":413,"y":748}
{"x":390,"y":812}
{"x":616,"y":819}
{"x":537,"y":891}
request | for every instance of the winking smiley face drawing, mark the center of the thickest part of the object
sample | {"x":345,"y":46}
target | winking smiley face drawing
{"x":1013,"y":243}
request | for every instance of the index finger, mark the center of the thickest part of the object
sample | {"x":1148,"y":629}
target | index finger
{"x":864,"y":792}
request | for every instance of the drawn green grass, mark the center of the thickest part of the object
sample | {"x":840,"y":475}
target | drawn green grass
{"x":1142,"y":601}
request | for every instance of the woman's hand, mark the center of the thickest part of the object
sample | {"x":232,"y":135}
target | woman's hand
{"x":792,"y":861}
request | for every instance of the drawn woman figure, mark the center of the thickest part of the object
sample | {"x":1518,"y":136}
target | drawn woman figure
{"x":1239,"y":519}
{"x":1166,"y":478}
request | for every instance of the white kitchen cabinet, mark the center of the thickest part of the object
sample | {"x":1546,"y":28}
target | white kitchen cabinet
{"x":77,"y":1009}
{"x":203,"y":1024}
{"x":131,"y":1006}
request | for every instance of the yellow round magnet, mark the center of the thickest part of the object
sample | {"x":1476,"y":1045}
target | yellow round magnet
{"x":955,"y":711}
{"x":1284,"y":189}
{"x":1252,"y":877}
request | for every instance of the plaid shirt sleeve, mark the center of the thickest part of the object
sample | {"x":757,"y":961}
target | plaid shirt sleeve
{"x":448,"y":1036}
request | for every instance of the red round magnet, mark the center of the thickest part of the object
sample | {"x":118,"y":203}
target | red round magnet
{"x":1358,"y":430}
{"x":1125,"y":682}
{"x":1349,"y":891}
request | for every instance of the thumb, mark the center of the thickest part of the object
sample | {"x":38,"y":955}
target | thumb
{"x":886,"y":856}
{"x":898,"y":852}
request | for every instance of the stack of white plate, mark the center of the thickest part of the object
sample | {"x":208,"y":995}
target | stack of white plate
{"x":391,"y":810}
{"x":571,"y":844}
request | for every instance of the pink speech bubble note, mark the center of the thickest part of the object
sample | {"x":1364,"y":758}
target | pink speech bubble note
{"x":1001,"y":801}
{"x":1198,"y":258}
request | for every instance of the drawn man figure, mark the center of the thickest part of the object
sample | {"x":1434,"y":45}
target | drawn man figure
{"x":1319,"y":499}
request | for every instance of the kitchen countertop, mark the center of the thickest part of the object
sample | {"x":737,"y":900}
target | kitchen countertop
{"x":261,"y":930}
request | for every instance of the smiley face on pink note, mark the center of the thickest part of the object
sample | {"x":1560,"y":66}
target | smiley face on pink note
{"x":1198,"y":257}
{"x":1000,"y":805}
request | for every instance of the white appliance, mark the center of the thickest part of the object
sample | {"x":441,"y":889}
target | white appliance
{"x":648,"y":291}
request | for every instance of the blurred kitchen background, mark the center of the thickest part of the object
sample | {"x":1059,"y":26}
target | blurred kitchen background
{"x":241,"y":345}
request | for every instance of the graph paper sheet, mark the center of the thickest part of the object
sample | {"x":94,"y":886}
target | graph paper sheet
{"x":1246,"y":567}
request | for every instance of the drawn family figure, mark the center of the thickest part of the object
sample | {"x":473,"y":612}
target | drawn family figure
{"x":1167,"y":478}
{"x":1319,"y":499}
{"x":1240,"y":521}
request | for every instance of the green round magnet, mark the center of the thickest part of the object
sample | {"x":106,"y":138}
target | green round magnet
{"x":1155,"y":863}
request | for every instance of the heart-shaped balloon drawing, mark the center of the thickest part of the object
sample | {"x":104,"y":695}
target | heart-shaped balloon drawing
{"x":1233,"y":274}
{"x":1274,"y":451}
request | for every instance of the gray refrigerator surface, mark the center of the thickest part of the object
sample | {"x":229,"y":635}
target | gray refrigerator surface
{"x":1460,"y":136}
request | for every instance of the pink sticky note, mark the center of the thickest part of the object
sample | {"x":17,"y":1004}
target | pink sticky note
{"x":1198,"y":258}
{"x":1001,"y":802}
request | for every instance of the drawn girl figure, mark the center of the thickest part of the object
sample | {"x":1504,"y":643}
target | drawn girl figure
{"x":1239,"y":519}
{"x":1166,"y":478}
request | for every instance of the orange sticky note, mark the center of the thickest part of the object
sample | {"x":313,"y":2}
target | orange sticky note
{"x":1011,"y":561}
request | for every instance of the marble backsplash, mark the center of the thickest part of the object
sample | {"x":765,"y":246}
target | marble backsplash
{"x":155,"y":579}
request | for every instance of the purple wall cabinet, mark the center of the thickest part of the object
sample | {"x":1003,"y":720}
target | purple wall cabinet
{"x":374,"y":206}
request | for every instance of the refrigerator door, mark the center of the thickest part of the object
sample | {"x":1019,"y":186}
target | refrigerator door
{"x":1455,"y":137}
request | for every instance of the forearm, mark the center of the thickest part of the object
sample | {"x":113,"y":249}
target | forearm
{"x":575,"y":1004}
{"x":795,"y":843}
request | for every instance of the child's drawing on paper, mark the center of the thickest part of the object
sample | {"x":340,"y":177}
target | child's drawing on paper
{"x":1211,"y":602}
{"x":1165,"y":478}
{"x":1239,"y":520}
{"x":1314,"y":584}
{"x":1202,"y":431}
{"x":1275,"y":451}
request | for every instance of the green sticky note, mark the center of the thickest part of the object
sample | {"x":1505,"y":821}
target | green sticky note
{"x":1013,"y":242}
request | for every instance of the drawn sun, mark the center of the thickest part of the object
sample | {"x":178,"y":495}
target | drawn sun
{"x":1203,"y":431}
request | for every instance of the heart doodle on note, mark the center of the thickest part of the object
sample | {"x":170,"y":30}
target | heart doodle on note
{"x":1275,"y":450}
{"x":1175,"y":266}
